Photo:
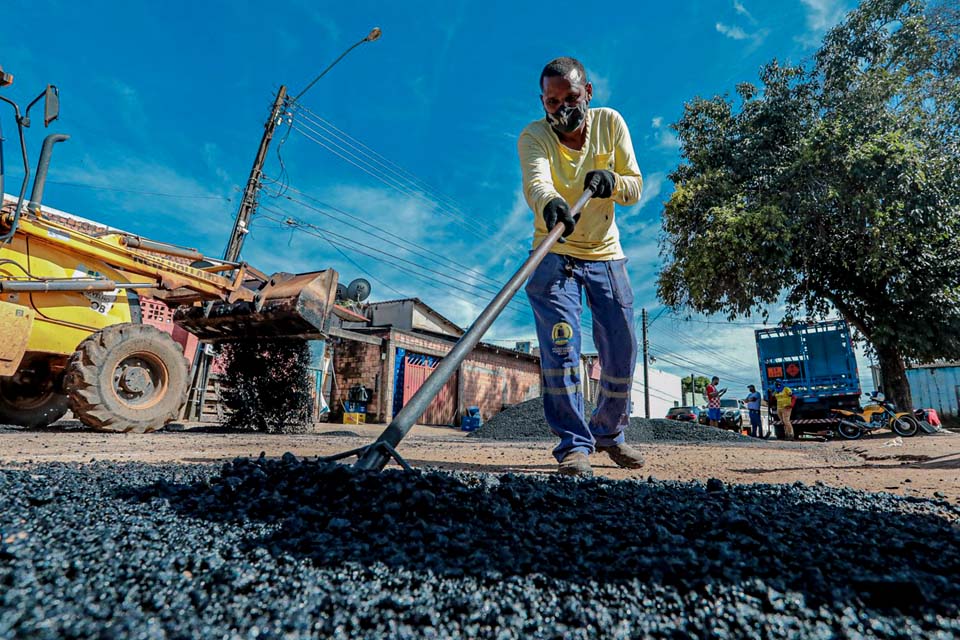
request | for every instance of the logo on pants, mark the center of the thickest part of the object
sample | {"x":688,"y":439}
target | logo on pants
{"x":561,"y":333}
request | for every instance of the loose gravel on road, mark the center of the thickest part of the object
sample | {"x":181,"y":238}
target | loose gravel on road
{"x":294,"y":549}
{"x":525,"y":421}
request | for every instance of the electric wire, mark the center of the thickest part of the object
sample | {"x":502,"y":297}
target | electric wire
{"x":157,"y":194}
{"x":390,"y":182}
{"x":492,"y":288}
{"x":479,"y":289}
{"x":721,"y":357}
{"x":373,"y":252}
{"x":329,"y":130}
{"x":700,"y":347}
{"x":387,"y":236}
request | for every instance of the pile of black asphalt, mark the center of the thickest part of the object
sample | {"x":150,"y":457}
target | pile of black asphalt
{"x":525,"y":421}
{"x":294,"y":548}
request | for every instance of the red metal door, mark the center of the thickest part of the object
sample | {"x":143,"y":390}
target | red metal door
{"x":442,"y":410}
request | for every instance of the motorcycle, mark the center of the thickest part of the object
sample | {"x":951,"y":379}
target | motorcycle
{"x":879,"y":414}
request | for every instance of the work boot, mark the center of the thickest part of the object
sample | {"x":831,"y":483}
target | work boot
{"x":624,"y":455}
{"x":575,"y":464}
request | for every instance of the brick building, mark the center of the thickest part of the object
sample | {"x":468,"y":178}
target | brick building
{"x":399,"y":346}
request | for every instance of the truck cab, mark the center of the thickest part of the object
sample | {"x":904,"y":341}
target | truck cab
{"x":818,"y":362}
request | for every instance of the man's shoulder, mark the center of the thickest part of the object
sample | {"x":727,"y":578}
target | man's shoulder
{"x":602,"y":115}
{"x":538,"y":128}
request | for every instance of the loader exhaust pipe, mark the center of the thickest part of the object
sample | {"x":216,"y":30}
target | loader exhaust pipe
{"x":43,"y":164}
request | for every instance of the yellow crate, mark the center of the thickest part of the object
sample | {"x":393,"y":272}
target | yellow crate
{"x":354,"y":418}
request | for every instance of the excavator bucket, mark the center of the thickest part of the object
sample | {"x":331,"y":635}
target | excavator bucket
{"x":285,"y":306}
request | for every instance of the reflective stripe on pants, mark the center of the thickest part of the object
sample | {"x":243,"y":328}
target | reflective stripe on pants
{"x":555,"y":297}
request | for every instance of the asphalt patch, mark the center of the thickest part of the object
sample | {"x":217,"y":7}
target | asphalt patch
{"x":296,"y":549}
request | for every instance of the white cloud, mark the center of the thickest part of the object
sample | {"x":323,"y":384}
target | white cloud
{"x":735,"y":33}
{"x":403,"y":220}
{"x":652,"y":186}
{"x":742,"y":10}
{"x":822,"y":15}
{"x":601,"y":87}
{"x":211,"y":156}
{"x":630,"y":221}
{"x":665,"y":139}
{"x":202,"y":220}
{"x":707,"y":346}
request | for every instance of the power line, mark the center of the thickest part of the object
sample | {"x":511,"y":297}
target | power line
{"x":730,"y":322}
{"x":157,"y":194}
{"x":390,"y":182}
{"x":363,"y":157}
{"x":707,"y":369}
{"x":352,"y":245}
{"x":708,"y":349}
{"x":662,"y":311}
{"x":428,"y":253}
{"x":695,"y":368}
{"x":494,"y":287}
{"x":480,"y":289}
{"x":363,"y":150}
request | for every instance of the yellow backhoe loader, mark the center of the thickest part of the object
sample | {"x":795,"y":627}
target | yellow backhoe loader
{"x":71,"y":335}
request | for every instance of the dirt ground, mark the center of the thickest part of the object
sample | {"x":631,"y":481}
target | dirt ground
{"x":926,"y":465}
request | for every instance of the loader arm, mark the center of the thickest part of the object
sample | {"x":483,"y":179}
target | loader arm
{"x":167,"y":273}
{"x":247,"y":304}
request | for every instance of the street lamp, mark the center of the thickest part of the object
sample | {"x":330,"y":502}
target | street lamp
{"x":370,"y":37}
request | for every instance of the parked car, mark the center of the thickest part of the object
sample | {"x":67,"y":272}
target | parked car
{"x":684,"y":414}
{"x":735,"y":414}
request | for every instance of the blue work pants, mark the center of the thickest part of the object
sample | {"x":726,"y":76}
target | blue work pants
{"x":556,"y":291}
{"x":756,"y":424}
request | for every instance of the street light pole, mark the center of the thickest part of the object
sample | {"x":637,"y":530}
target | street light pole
{"x":249,"y":202}
{"x":241,"y":226}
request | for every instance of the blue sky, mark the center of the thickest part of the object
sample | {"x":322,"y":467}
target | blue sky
{"x":414,"y":133}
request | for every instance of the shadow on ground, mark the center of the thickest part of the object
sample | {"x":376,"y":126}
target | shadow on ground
{"x":835,"y":546}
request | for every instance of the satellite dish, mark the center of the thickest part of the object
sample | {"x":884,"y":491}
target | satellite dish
{"x":358,"y":290}
{"x":341,"y":292}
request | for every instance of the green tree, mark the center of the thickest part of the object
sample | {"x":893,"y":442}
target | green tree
{"x":834,"y":185}
{"x":701,"y":383}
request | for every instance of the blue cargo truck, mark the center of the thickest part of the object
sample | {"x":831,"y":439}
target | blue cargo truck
{"x":817,"y":361}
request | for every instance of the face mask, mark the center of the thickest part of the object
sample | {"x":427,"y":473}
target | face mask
{"x":567,"y":119}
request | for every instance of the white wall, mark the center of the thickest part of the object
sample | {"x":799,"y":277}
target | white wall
{"x":664,"y":392}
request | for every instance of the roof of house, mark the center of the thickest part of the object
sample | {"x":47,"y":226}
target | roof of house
{"x":425,"y":306}
{"x":936,"y":364}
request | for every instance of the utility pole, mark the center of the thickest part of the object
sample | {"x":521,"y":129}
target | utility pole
{"x":249,"y":202}
{"x":646,"y":360}
{"x":248,"y":205}
{"x":241,"y":226}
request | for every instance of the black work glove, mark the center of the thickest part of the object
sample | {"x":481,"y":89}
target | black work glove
{"x":557,"y":210}
{"x":602,"y":182}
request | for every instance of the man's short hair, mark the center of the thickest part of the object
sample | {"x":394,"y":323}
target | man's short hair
{"x":563,"y":67}
{"x":715,"y":379}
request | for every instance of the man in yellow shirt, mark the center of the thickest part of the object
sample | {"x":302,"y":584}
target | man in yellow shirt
{"x":784,"y":398}
{"x":560,"y":154}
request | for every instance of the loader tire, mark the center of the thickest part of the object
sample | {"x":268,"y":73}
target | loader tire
{"x":29,"y":408}
{"x":127,"y":378}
